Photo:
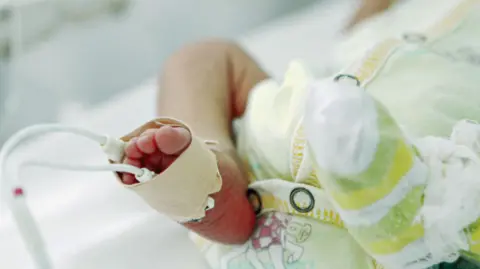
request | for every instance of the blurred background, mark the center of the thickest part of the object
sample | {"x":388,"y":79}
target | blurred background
{"x":60,"y":57}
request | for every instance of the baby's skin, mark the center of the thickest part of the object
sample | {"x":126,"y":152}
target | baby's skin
{"x":232,"y":219}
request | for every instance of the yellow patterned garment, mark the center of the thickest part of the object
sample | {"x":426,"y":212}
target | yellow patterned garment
{"x":421,"y":85}
{"x":428,"y":82}
{"x":297,"y":226}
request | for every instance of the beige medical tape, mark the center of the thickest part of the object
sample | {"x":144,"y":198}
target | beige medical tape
{"x":182,"y":190}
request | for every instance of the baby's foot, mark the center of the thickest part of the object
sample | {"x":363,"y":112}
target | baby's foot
{"x":155,"y":149}
{"x":232,"y":220}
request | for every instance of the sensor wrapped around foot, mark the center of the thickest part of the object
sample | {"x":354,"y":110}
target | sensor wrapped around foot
{"x":183,"y":190}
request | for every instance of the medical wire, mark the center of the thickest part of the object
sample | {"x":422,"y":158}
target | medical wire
{"x":28,"y":228}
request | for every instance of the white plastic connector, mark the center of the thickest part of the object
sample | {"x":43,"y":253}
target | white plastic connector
{"x":114,"y":149}
{"x":145,"y":176}
{"x":210,"y":203}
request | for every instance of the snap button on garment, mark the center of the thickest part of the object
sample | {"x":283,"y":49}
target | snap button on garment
{"x":255,"y":200}
{"x":341,"y":77}
{"x":302,"y":200}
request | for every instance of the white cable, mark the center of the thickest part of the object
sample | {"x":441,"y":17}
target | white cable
{"x":37,"y":130}
{"x":114,"y":148}
{"x":26,"y":224}
{"x":24,"y":219}
{"x":29,"y":231}
{"x":120,"y":168}
{"x":141,"y":174}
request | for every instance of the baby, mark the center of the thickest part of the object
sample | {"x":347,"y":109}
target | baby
{"x":277,"y":207}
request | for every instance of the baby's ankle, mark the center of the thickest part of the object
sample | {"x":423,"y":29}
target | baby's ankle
{"x":232,"y":220}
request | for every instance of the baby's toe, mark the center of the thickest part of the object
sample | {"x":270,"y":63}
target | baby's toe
{"x":172,"y":140}
{"x":146,"y":142}
{"x":153,"y":162}
{"x":128,"y":178}
{"x":132,"y":151}
{"x":155,"y":149}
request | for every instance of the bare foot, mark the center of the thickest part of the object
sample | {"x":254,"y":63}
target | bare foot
{"x":232,"y":220}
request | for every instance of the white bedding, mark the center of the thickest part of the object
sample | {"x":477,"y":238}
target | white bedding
{"x":87,"y":219}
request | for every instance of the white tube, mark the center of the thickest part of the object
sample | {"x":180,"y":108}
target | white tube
{"x":26,"y":224}
{"x":37,"y":130}
{"x":29,"y":232}
{"x":121,"y":168}
{"x":20,"y":211}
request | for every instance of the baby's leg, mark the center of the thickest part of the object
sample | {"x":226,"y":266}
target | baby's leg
{"x":232,"y":219}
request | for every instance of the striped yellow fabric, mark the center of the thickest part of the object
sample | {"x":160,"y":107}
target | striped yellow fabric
{"x":394,"y":160}
{"x":397,"y":221}
{"x":398,"y":166}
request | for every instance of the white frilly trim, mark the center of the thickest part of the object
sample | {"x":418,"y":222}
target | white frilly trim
{"x":452,"y":194}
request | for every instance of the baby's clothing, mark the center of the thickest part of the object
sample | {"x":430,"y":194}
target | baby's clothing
{"x":419,"y":86}
{"x":297,"y":227}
